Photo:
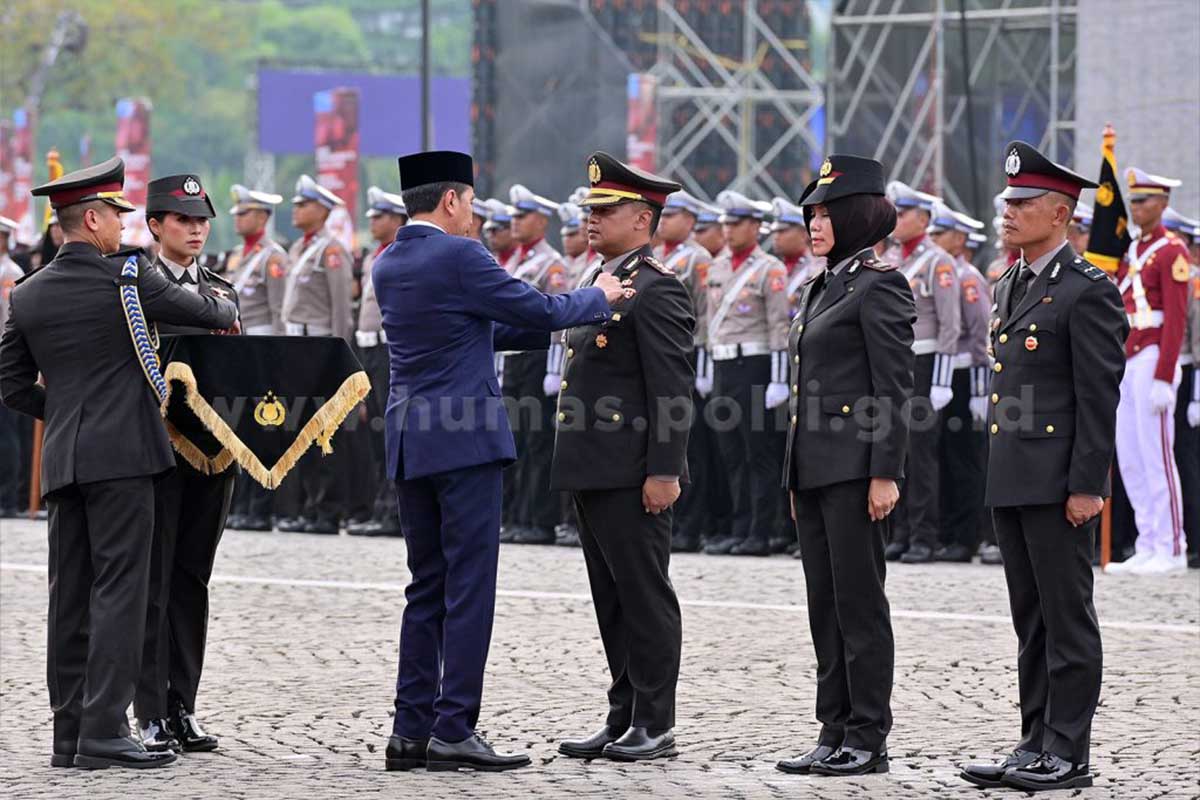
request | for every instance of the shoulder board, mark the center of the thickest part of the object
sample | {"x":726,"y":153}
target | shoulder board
{"x":1089,"y":270}
{"x":877,"y":264}
{"x":125,"y":253}
{"x":653,"y":262}
{"x":25,"y":277}
{"x":212,"y":276}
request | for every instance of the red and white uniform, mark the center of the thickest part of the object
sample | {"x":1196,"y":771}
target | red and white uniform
{"x":1153,"y":279}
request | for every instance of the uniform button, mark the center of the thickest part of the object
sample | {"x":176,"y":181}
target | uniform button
{"x":795,"y":388}
{"x":1049,"y":429}
{"x":995,"y":428}
{"x":1003,"y":338}
{"x":795,"y":418}
{"x":562,"y":417}
{"x":562,"y":385}
{"x":995,"y":398}
{"x":570,"y":352}
{"x":616,"y":417}
{"x":1033,"y":328}
{"x":845,"y":409}
{"x":998,"y":368}
{"x":796,"y":359}
{"x":800,"y":327}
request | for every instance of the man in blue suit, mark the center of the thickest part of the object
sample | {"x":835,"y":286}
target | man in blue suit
{"x":447,"y":306}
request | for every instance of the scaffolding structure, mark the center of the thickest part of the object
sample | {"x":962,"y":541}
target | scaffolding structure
{"x":935,"y":88}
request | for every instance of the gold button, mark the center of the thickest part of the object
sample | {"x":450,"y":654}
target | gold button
{"x":795,"y":418}
{"x":845,"y":409}
{"x":995,"y":398}
{"x":616,"y":417}
{"x":998,"y":367}
{"x":800,"y":327}
{"x":1049,"y":429}
{"x":795,"y":388}
{"x":562,"y":417}
{"x":796,"y":359}
{"x":570,"y":352}
{"x":1003,"y":338}
{"x":1033,"y":327}
{"x":995,"y":428}
{"x":562,"y":385}
{"x":616,"y":317}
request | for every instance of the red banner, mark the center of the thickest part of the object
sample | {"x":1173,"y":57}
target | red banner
{"x":641,"y":143}
{"x":336,"y":140}
{"x":133,"y":145}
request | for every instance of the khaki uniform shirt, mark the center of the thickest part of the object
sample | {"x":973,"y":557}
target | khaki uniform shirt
{"x":319,"y":287}
{"x":747,"y":305}
{"x":260,"y":278}
{"x":933,"y":277}
{"x":691,"y":263}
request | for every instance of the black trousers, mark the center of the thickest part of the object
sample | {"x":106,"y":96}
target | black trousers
{"x":375,"y":362}
{"x":702,"y":511}
{"x":1124,"y":526}
{"x":963,"y":467}
{"x":1187,"y":457}
{"x":100,"y":541}
{"x":10,"y":459}
{"x":1048,"y":567}
{"x":628,"y":553}
{"x":250,"y":498}
{"x":190,"y":511}
{"x":848,"y":613}
{"x":916,"y":515}
{"x":749,"y":449}
{"x":533,"y":502}
{"x":322,"y":477}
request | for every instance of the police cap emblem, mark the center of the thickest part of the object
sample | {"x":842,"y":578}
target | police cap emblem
{"x":594,"y":171}
{"x":826,"y":168}
{"x":1012,"y":164}
{"x":191,"y":187}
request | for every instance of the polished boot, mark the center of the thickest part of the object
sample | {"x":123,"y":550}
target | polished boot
{"x":566,"y":536}
{"x":404,"y":754}
{"x":1047,"y":772}
{"x":292,"y":524}
{"x":954,"y":553}
{"x":124,"y":752}
{"x":366,"y":527}
{"x":990,"y":554}
{"x":851,"y":761}
{"x":327,"y":526}
{"x":63,"y":754}
{"x":191,"y":736}
{"x":989,"y":775}
{"x":780,"y":544}
{"x":593,"y":746}
{"x":534,"y":536}
{"x":720,"y":546}
{"x":508,"y":533}
{"x":685,"y":544}
{"x":471,"y":753}
{"x":157,"y":737}
{"x":752,"y":546}
{"x":233,"y":522}
{"x":256,"y":523}
{"x":803,"y":764}
{"x":639,"y":744}
{"x":917,"y":554}
{"x":894,"y":550}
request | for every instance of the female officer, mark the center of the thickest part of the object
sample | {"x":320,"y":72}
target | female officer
{"x":852,"y":377}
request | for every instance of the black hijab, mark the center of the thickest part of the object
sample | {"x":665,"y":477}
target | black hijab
{"x":859,"y":221}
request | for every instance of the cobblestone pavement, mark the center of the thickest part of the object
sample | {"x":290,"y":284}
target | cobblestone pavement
{"x":302,"y":659}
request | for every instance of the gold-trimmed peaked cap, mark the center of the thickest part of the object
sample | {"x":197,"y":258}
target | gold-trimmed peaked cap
{"x":100,"y":182}
{"x":613,"y":182}
{"x":843,"y":176}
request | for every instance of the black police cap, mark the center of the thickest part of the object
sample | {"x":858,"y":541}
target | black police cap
{"x":182,"y":194}
{"x":843,"y":176}
{"x":613,"y":182}
{"x":102,"y":181}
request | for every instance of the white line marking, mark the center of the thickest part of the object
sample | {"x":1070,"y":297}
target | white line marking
{"x":362,"y":586}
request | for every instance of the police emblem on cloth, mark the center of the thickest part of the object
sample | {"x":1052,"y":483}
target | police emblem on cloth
{"x":269,"y":412}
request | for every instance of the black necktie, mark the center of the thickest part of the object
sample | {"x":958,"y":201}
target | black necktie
{"x":1024,"y":277}
{"x":818,"y":290}
{"x":185,"y":277}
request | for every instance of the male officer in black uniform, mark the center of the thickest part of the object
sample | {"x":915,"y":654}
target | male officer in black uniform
{"x":105,"y":444}
{"x":1057,"y":333}
{"x":624,"y":413}
{"x":190,"y":507}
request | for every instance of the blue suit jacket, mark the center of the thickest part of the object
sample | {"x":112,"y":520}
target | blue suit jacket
{"x":447,"y":306}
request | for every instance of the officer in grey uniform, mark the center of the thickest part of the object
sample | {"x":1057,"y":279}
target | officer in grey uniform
{"x":963,"y":444}
{"x":10,"y":445}
{"x":318,"y":303}
{"x":708,"y":232}
{"x":933,"y":276}
{"x":497,"y":231}
{"x":387,"y":214}
{"x":746,"y":317}
{"x":702,"y":513}
{"x":533,"y":377}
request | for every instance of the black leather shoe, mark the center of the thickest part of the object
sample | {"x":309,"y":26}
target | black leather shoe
{"x":326,"y":527}
{"x":191,"y":736}
{"x":404,"y":754}
{"x":803,"y":764}
{"x":390,"y":528}
{"x":779,"y":544}
{"x":720,"y":546}
{"x":639,"y":744}
{"x":259,"y":523}
{"x":851,"y":761}
{"x":751,"y":547}
{"x":1047,"y":772}
{"x":292,"y":524}
{"x":685,"y":544}
{"x":1194,"y":561}
{"x":535,"y":536}
{"x":157,"y":737}
{"x":917,"y":554}
{"x":990,"y":554}
{"x":63,"y":754}
{"x":508,"y":533}
{"x":955,"y":553}
{"x":894,"y":550}
{"x":471,"y":753}
{"x":124,"y":752}
{"x":593,"y":746}
{"x":234,"y":522}
{"x":989,"y":775}
{"x":566,"y":536}
{"x":367,"y":527}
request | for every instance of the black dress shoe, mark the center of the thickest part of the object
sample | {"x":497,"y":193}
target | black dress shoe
{"x":751,"y":547}
{"x":720,"y":546}
{"x":191,"y":736}
{"x":292,"y":524}
{"x":63,"y":754}
{"x":593,"y":746}
{"x":390,"y":528}
{"x":685,"y":544}
{"x":535,"y":536}
{"x":157,"y":737}
{"x":566,"y":536}
{"x":365,"y":528}
{"x":471,"y":753}
{"x":255,"y":523}
{"x":894,"y":550}
{"x":124,"y":752}
{"x":955,"y":553}
{"x":989,"y":775}
{"x":803,"y":764}
{"x":779,"y":544}
{"x":917,"y":554}
{"x":990,"y":554}
{"x":404,"y":754}
{"x":851,"y":761}
{"x":234,"y":522}
{"x":509,"y":532}
{"x":1194,"y":561}
{"x":639,"y":744}
{"x":326,"y":527}
{"x":1047,"y":772}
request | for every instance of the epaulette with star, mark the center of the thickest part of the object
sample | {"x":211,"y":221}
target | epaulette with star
{"x":878,"y":265}
{"x":212,"y":276}
{"x":656,"y":264}
{"x":1089,"y":270}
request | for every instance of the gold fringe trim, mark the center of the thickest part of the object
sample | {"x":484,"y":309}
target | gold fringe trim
{"x":320,"y":429}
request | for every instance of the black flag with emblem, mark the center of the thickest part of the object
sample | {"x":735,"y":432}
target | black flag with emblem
{"x":1109,"y":237}
{"x":259,"y":401}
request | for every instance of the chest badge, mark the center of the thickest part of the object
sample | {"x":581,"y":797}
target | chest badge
{"x":1031,"y":343}
{"x":601,"y":341}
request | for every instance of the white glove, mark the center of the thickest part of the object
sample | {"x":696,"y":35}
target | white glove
{"x":1162,"y":395}
{"x":551,"y":384}
{"x":1194,"y":413}
{"x":704,"y":385}
{"x":940,"y":397}
{"x":777,"y":394}
{"x":979,"y":406}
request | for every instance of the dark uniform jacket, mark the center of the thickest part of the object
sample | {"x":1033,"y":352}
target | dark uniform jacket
{"x":1059,"y":358}
{"x":102,"y":417}
{"x":626,"y":400}
{"x":209,"y":284}
{"x":852,"y":377}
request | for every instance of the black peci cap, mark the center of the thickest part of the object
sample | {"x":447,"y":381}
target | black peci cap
{"x":102,"y":182}
{"x":435,"y":166}
{"x":843,"y":176}
{"x":182,"y":194}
